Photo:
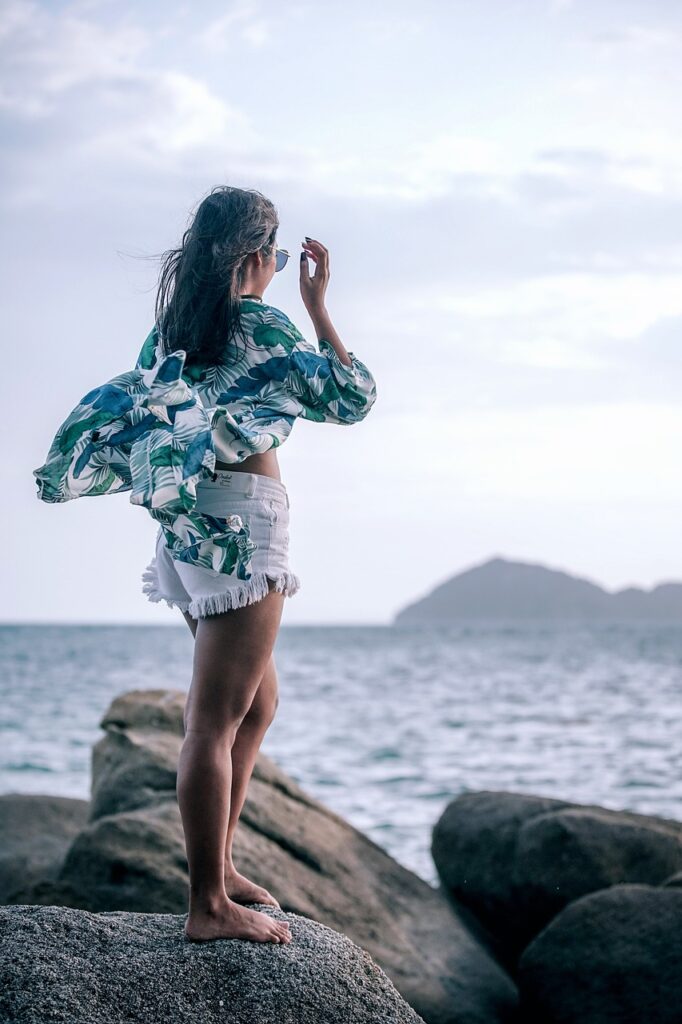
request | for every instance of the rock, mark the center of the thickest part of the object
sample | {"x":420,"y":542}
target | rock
{"x":134,"y":764}
{"x":147,"y":709}
{"x":611,"y":956}
{"x":473,"y":845}
{"x":318,"y":865}
{"x":517,"y":860}
{"x":312,"y":860}
{"x":131,"y":861}
{"x":36,"y":831}
{"x":73,"y":966}
{"x":130,"y":855}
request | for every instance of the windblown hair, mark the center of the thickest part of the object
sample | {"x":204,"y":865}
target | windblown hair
{"x":197,"y":302}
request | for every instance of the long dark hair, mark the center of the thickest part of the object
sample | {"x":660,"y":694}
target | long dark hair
{"x":197,"y":302}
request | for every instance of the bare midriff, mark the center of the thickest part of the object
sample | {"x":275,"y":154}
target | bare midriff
{"x":264,"y":463}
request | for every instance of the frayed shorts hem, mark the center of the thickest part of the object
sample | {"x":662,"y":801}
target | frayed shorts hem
{"x":246,"y":592}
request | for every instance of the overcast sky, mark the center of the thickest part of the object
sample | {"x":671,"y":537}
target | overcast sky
{"x":499,"y":184}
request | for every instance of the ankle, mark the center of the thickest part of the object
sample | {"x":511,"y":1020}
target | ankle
{"x":201,"y":901}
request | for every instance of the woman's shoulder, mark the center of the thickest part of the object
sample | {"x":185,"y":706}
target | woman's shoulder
{"x":265,"y":311}
{"x":270,"y":325}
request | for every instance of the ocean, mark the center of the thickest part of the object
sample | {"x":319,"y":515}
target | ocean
{"x":383,"y":724}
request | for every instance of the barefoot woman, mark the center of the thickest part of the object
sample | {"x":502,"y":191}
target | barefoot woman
{"x":225,"y":566}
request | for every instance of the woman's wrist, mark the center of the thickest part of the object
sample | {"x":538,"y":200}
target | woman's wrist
{"x":321,"y":320}
{"x":317,"y":310}
{"x":324,"y":328}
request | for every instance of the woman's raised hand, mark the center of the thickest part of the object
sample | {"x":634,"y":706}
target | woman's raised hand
{"x":313,"y":288}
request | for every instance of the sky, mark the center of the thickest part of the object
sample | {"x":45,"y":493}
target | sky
{"x":499,"y":185}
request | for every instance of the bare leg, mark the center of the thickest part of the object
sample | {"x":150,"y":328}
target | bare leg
{"x":231,"y":652}
{"x":244,"y":754}
{"x":191,"y":622}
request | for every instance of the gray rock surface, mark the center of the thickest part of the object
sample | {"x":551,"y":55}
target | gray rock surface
{"x":611,"y":957}
{"x":35,"y":833}
{"x":130,"y":861}
{"x":134,"y":763}
{"x":517,"y":860}
{"x":72,"y":966}
{"x":131,"y":856}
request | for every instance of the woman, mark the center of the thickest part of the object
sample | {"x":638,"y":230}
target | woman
{"x":225,"y":565}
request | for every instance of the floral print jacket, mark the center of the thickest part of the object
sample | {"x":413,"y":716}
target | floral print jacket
{"x":158,"y":429}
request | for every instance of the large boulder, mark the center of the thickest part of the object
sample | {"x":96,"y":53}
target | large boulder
{"x":60,"y":964}
{"x":36,"y":831}
{"x":129,"y":861}
{"x":516,"y":860}
{"x":131,"y":856}
{"x":319,"y":865}
{"x":134,"y":764}
{"x":613,"y":955}
{"x":130,"y":853}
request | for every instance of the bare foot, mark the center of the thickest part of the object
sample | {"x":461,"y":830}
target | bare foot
{"x":230,"y":921}
{"x":242,"y":890}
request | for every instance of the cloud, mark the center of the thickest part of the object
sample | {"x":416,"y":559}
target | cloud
{"x":417,"y":172}
{"x":82,"y":101}
{"x":659,"y":172}
{"x":642,"y":38}
{"x":160,"y":114}
{"x":604,"y":451}
{"x":548,"y":260}
{"x":243,"y":22}
{"x":580,"y":305}
{"x":44,"y":55}
{"x":655,"y":356}
{"x":554,"y":340}
{"x":16,"y":16}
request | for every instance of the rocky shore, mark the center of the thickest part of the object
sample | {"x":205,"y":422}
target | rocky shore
{"x":548,"y":912}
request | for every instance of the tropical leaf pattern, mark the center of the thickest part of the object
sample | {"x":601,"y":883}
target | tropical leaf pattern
{"x":221,"y":543}
{"x":272,"y":375}
{"x":156,"y":430}
{"x":143,"y":431}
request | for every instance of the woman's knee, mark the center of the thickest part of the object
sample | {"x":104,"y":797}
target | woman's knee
{"x":234,"y":672}
{"x":214,"y":732}
{"x":219,"y":717}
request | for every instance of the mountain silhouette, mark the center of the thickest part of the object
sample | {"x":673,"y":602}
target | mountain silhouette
{"x":501,"y":589}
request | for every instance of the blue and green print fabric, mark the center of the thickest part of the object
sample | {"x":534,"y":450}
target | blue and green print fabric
{"x":157,"y":430}
{"x":272,"y":375}
{"x":143,"y":431}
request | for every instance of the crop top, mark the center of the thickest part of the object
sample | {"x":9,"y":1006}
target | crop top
{"x":272,"y":375}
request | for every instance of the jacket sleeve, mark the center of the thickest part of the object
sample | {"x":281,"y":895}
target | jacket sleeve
{"x":143,"y":431}
{"x":327,"y":390}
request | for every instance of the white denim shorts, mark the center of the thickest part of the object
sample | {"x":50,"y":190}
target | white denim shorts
{"x":262,"y":502}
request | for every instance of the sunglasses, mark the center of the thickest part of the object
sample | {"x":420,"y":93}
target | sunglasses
{"x":281,"y":259}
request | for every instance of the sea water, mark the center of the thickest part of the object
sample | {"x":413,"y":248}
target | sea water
{"x":385,"y":725}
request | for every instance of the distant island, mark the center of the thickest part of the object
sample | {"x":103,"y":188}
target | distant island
{"x":503,"y":590}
